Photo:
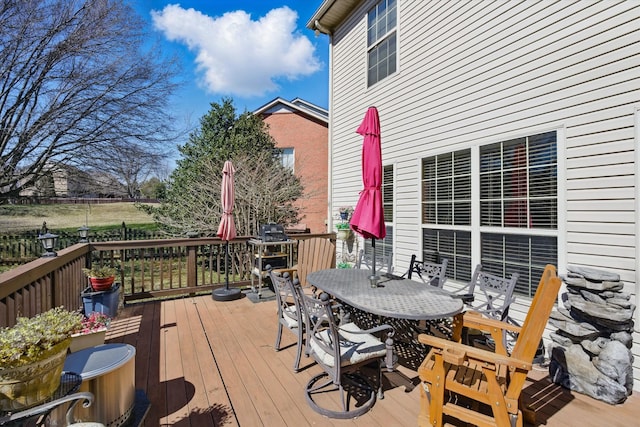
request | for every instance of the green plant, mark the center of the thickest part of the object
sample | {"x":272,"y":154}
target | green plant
{"x":343,"y":226}
{"x":99,"y":272}
{"x":30,"y":338}
{"x":344,"y":265}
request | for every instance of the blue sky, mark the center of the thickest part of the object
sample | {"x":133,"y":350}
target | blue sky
{"x":251,"y":51}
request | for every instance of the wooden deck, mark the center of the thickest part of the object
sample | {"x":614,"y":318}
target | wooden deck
{"x":208,"y":363}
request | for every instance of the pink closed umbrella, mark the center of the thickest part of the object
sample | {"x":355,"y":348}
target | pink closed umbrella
{"x":227,"y":229}
{"x":368,"y":216}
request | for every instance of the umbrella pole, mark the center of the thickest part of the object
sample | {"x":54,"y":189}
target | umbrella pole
{"x":226,"y":294}
{"x":374,"y":277}
{"x":226,"y":266}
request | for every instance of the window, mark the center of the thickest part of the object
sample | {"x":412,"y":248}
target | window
{"x":446,"y":189}
{"x":381,"y":41}
{"x":446,"y":200}
{"x":287,"y":157}
{"x":518,"y":189}
{"x":518,"y":218}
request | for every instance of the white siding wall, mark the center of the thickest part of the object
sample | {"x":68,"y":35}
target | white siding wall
{"x":480,"y":72}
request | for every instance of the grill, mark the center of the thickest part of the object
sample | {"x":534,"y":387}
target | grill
{"x":272,"y":233}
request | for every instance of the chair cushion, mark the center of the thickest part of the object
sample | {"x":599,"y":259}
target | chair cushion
{"x":290,"y":317}
{"x":354,"y":348}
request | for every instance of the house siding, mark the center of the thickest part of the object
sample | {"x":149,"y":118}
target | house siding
{"x":476,"y":73}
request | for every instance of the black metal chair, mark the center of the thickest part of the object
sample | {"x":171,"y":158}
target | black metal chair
{"x":341,"y":349}
{"x":38,"y":415}
{"x":492,"y":294}
{"x":384,"y":262}
{"x":488,"y":295}
{"x":289,"y":312}
{"x":429,"y":272}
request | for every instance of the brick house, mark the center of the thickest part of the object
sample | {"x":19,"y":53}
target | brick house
{"x":300,"y":130}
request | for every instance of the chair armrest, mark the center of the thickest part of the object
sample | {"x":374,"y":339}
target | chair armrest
{"x":475,"y":320}
{"x":86,"y":397}
{"x":454,"y":351}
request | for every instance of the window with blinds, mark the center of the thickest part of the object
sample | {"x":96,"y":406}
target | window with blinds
{"x":387,"y":192}
{"x":446,"y":189}
{"x":454,"y":245}
{"x":518,"y":209}
{"x":518,"y":181}
{"x":381,"y":41}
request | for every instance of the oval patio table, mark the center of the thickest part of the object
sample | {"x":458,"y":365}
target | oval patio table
{"x":394,"y":297}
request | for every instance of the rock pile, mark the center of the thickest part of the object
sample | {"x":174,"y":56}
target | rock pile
{"x":590,"y":351}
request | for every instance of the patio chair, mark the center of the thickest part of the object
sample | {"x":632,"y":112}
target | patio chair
{"x":429,"y":272}
{"x":341,"y":349}
{"x":384,"y":262}
{"x":314,"y":254}
{"x":289,"y":313}
{"x":479,"y":386}
{"x":489,"y":294}
{"x":39,"y":415}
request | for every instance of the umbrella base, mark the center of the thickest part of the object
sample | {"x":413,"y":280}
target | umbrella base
{"x":226,"y":294}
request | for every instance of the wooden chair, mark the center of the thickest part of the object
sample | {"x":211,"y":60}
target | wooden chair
{"x":383,"y":262}
{"x":289,"y":312}
{"x":479,"y":386}
{"x":429,"y":272}
{"x":314,"y":254}
{"x":341,"y":348}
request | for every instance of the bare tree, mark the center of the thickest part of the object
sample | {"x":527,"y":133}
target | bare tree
{"x":265,"y":191}
{"x":75,"y":82}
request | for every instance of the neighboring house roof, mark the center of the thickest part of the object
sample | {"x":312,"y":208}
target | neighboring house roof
{"x":330,"y":14}
{"x":296,"y":105}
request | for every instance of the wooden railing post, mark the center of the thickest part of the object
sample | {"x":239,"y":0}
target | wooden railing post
{"x":192,"y":266}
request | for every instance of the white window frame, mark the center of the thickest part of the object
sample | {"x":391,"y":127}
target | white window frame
{"x":379,"y":40}
{"x":476,"y":230}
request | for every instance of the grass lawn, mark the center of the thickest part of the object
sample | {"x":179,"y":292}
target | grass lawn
{"x":15,"y":218}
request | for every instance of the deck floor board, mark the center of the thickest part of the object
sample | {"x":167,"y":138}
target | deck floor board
{"x":206,"y":363}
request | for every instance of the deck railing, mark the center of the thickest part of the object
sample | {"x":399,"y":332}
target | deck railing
{"x":146,"y":269}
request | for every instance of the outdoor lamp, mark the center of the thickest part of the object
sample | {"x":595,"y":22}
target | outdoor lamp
{"x":83,"y":232}
{"x":49,"y":242}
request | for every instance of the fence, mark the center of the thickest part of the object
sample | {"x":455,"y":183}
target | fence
{"x":16,"y":249}
{"x":146,"y":269}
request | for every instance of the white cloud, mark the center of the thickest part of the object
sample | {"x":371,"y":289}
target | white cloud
{"x":239,"y":56}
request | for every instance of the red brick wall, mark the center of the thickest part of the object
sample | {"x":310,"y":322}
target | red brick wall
{"x":309,"y":140}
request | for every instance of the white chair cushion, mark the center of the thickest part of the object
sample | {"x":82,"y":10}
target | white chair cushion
{"x":290,"y":317}
{"x":354,"y":348}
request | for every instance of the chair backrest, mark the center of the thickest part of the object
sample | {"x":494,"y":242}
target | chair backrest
{"x":430,"y":272}
{"x":384,"y":262}
{"x":322,"y":332}
{"x":314,"y":254}
{"x":286,"y":297}
{"x":538,"y":315}
{"x":492,"y":294}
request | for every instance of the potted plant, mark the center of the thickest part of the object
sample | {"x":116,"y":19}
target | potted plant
{"x":91,"y":333}
{"x":101,"y":278}
{"x":345,"y":212}
{"x":344,"y":230}
{"x":32,"y":355}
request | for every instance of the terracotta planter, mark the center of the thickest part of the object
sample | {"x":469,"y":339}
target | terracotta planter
{"x":32,"y":384}
{"x":91,"y":339}
{"x":101,"y":283}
